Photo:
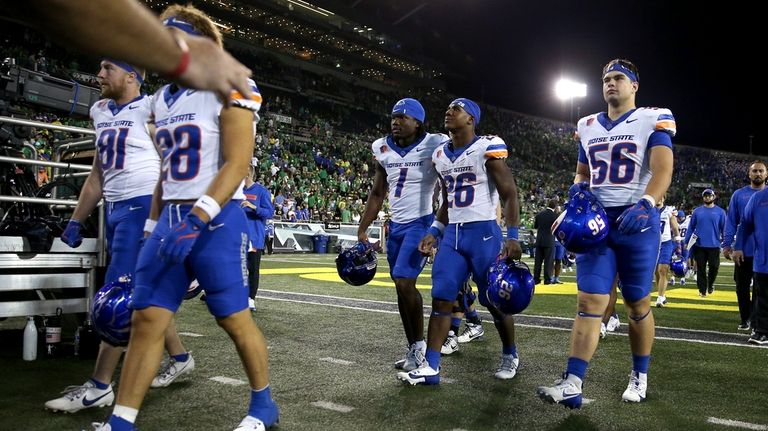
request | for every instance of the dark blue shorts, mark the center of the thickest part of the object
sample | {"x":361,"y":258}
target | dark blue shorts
{"x":405,"y":260}
{"x":124,"y":231}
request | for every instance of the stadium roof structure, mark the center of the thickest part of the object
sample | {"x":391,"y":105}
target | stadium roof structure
{"x":310,"y":33}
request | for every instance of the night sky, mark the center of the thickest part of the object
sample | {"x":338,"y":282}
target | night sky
{"x":510,"y":53}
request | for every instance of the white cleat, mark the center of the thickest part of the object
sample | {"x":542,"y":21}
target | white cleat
{"x":661,"y":301}
{"x":100,"y":426}
{"x":507,"y":368}
{"x":425,"y":375}
{"x":472,"y":331}
{"x":77,"y":398}
{"x":252,"y":304}
{"x":171,"y":370}
{"x":451,"y":344}
{"x":603,"y":330}
{"x":613,"y":323}
{"x":566,"y":391}
{"x":414,"y":358}
{"x":638,"y":384}
{"x":250,"y":423}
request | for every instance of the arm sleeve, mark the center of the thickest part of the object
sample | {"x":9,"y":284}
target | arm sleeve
{"x":747,"y":225}
{"x":265,"y":209}
{"x":691,"y":228}
{"x":660,"y":138}
{"x":583,"y":155}
{"x":731,"y":222}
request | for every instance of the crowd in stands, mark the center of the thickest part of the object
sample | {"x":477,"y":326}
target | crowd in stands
{"x":313,"y":141}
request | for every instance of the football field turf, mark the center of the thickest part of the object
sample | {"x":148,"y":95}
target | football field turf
{"x":332,"y":349}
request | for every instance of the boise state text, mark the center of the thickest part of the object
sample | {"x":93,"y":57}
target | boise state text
{"x":611,"y":139}
{"x":175,"y":119}
{"x":456,"y":170}
{"x":404,"y":164}
{"x":105,"y":124}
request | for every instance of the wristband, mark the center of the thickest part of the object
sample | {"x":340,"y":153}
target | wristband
{"x":650,"y":199}
{"x":513,"y":233}
{"x":436,"y":229}
{"x":149,"y":225}
{"x":209,"y":205}
{"x":183,"y":64}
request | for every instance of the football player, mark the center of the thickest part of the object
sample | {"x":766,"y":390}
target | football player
{"x":201,"y":233}
{"x":124,"y":173}
{"x":405,"y":175}
{"x":671,"y":242}
{"x":682,"y":226}
{"x":464,"y":306}
{"x":473,"y":175}
{"x":625,"y":159}
{"x":743,"y":272}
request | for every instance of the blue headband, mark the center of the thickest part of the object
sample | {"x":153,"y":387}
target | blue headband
{"x":410,"y":107}
{"x":469,"y":107}
{"x":618,"y":67}
{"x":127,"y":67}
{"x":181,"y":25}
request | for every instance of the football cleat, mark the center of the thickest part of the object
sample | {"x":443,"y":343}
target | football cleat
{"x":472,"y":331}
{"x":451,"y":344}
{"x":566,"y":391}
{"x":507,"y":368}
{"x":613,"y":323}
{"x":414,"y":358}
{"x":603,"y":330}
{"x":422,"y":376}
{"x":250,"y":423}
{"x":638,"y":384}
{"x":672,"y":281}
{"x":252,"y":304}
{"x":171,"y":370}
{"x":77,"y":398}
{"x":661,"y":301}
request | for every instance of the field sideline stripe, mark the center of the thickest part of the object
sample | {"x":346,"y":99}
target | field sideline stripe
{"x":525,"y":325}
{"x":539,"y":316}
{"x":737,"y":424}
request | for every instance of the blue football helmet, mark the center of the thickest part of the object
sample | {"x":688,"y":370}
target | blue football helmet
{"x":583,"y":225}
{"x":111,"y":312}
{"x":510,"y":286}
{"x":357,"y":264}
{"x":679,"y":267}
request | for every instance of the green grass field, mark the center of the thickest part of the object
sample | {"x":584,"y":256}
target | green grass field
{"x":331,"y":362}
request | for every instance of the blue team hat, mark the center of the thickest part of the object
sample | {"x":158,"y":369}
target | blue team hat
{"x":681,"y":213}
{"x":469,"y":107}
{"x":707,"y":192}
{"x":128,"y":68}
{"x":410,"y":107}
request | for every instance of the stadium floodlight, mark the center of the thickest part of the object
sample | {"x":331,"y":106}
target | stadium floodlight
{"x":567,"y":90}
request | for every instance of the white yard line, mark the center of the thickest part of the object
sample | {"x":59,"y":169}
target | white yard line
{"x":341,"y":408}
{"x":736,"y":424}
{"x":227,"y":380}
{"x":336,"y":361}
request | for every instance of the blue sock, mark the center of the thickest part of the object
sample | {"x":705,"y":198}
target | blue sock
{"x":182,"y":357}
{"x":640,"y":363}
{"x":471,"y":314}
{"x":577,"y":367}
{"x":511,"y":350}
{"x":99,"y":385}
{"x":263,"y":407}
{"x":119,"y":424}
{"x":433,"y":358}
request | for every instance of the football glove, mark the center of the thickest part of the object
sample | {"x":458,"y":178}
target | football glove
{"x":577,"y":188}
{"x":72,"y":236}
{"x":179,"y":242}
{"x":634,"y":218}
